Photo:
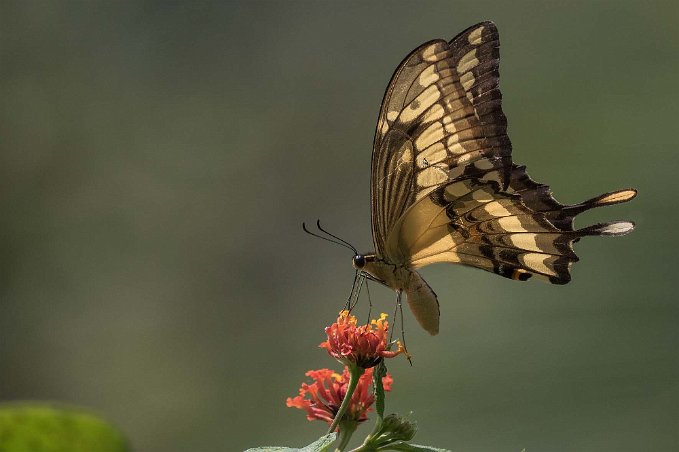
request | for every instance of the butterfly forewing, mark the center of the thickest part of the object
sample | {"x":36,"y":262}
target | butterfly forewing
{"x":440,"y":114}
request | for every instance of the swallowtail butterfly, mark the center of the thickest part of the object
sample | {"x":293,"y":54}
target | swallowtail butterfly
{"x":444,"y":187}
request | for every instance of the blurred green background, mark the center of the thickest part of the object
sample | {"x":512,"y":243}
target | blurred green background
{"x":157,"y":160}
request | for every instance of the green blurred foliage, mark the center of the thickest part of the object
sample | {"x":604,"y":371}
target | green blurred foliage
{"x":157,"y":159}
{"x":31,"y":427}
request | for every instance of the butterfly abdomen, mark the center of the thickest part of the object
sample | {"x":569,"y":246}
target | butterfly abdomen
{"x":421,"y":298}
{"x":423,"y":303}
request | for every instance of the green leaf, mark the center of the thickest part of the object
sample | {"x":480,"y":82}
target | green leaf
{"x":322,"y":444}
{"x":270,"y":449}
{"x":33,"y":427}
{"x":414,"y":448}
{"x":379,"y":372}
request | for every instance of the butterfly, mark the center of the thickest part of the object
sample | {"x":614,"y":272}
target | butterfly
{"x":444,"y":187}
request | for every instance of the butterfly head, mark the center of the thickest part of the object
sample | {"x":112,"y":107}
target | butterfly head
{"x":361,"y":260}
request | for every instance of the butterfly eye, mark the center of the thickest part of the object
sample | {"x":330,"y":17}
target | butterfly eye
{"x":359,"y":261}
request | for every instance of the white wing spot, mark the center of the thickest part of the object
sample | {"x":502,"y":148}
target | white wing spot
{"x":455,"y":147}
{"x":620,"y":228}
{"x":538,"y":262}
{"x":618,"y":196}
{"x":525,"y":241}
{"x":511,"y":224}
{"x":467,"y":79}
{"x":431,"y":135}
{"x":496,"y":209}
{"x":475,"y":36}
{"x":429,"y":76}
{"x":467,"y":62}
{"x":421,"y":103}
{"x":434,"y":113}
{"x":429,"y":54}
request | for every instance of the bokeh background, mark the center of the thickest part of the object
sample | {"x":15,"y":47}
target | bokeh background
{"x":157,"y":160}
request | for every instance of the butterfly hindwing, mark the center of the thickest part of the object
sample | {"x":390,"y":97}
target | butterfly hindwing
{"x":476,"y":223}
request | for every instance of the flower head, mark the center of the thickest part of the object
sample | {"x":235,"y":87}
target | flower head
{"x":364,"y":346}
{"x":322,"y":398}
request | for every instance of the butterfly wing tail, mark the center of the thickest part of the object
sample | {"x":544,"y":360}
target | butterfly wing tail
{"x":423,"y":303}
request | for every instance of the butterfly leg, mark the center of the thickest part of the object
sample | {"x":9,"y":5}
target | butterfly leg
{"x":359,"y":279}
{"x":399,"y":310}
{"x":370,"y":303}
{"x":370,"y":277}
{"x":398,"y":301}
{"x":347,"y":305}
{"x":359,"y":286}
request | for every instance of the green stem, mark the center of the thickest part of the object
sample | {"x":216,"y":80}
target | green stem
{"x":346,"y":430}
{"x":354,"y":375}
{"x":378,"y":372}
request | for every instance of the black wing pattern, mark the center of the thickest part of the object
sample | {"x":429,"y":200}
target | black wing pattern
{"x":444,"y":188}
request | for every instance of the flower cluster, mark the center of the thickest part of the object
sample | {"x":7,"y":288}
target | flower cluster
{"x":322,"y":398}
{"x":364,"y":346}
{"x":344,"y":400}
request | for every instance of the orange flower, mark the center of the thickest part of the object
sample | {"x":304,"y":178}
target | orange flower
{"x":326,"y":393}
{"x":364,"y":346}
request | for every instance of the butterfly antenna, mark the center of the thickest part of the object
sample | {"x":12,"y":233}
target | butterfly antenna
{"x":341,"y":243}
{"x":320,"y":228}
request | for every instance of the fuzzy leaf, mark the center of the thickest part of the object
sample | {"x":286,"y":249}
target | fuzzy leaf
{"x":405,"y":447}
{"x":322,"y":444}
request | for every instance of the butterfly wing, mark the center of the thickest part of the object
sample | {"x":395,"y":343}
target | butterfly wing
{"x":441,"y":112}
{"x":444,"y":188}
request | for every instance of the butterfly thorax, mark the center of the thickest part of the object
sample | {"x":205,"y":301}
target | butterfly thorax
{"x":394,"y":276}
{"x":421,"y":299}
